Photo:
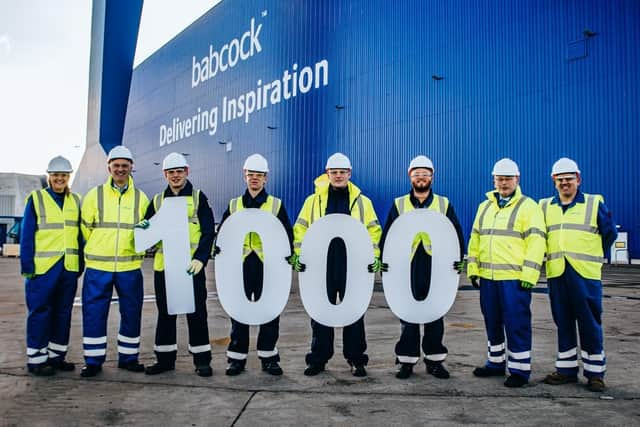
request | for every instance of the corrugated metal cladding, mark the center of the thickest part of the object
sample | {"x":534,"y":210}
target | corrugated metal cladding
{"x":465,"y":83}
{"x":7,"y":205}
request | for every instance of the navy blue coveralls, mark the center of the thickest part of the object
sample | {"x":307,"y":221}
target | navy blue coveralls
{"x":575,"y":299}
{"x":49,"y":296}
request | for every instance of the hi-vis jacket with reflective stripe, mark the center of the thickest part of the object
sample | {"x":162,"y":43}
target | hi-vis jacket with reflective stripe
{"x":194,"y":226}
{"x":573,"y":235}
{"x":403,"y":204}
{"x":56,"y":231}
{"x":315,"y":207}
{"x":252,"y":240}
{"x":507,"y":243}
{"x":108,"y":217}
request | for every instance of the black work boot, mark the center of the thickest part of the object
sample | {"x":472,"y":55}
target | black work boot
{"x":42,"y":370}
{"x":485,"y":371}
{"x":272,"y":368}
{"x":89,"y":371}
{"x":313,"y":369}
{"x":359,"y":371}
{"x":62,"y":365}
{"x":159,"y":367}
{"x":204,"y":370}
{"x":438,"y":370}
{"x":405,"y":371}
{"x":131,"y":366}
{"x":514,"y":381}
{"x":235,"y":368}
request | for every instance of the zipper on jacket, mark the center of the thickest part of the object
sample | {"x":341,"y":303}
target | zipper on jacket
{"x":493,"y":226}
{"x":115,"y":262}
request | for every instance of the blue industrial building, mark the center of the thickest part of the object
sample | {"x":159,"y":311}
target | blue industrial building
{"x":464,"y":82}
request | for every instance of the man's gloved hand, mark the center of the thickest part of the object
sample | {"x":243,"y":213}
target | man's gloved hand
{"x":29,"y":276}
{"x":144,"y":224}
{"x":294,"y":262}
{"x":475,"y":281}
{"x":378,"y":266}
{"x":460,"y":266}
{"x":195,"y":267}
{"x":527,"y":286}
{"x":215,"y":251}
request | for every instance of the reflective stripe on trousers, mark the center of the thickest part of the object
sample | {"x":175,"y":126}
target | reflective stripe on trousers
{"x":507,"y":314}
{"x":576,"y":300}
{"x":97,"y":290}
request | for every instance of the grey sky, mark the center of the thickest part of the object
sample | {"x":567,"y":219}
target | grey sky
{"x":44,"y":65}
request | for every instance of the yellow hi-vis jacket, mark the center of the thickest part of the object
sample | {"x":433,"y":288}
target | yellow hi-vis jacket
{"x":56,"y":231}
{"x":194,"y":226}
{"x":108,"y":217}
{"x":315,"y":207}
{"x":507,"y":243}
{"x":439,"y":204}
{"x":252,"y":242}
{"x":573,"y":235}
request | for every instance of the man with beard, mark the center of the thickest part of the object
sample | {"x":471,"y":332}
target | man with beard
{"x":201,"y":234}
{"x":422,"y":197}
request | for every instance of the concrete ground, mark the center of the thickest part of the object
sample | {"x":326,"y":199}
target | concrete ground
{"x":117,"y":397}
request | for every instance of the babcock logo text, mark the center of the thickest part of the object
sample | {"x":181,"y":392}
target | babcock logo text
{"x":240,"y":103}
{"x":238,"y":49}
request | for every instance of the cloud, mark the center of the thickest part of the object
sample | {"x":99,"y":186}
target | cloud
{"x":5,"y":47}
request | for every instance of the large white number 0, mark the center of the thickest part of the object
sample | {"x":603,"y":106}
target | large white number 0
{"x":276,"y":282}
{"x":170,"y":226}
{"x":359,"y":286}
{"x":444,"y":279}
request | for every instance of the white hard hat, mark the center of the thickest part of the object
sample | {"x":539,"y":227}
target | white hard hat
{"x":59,"y":164}
{"x":505,"y":167}
{"x":119,"y":152}
{"x":173,"y":161}
{"x":256,"y":162}
{"x":420,"y":162}
{"x":564,"y":165}
{"x":338,"y":161}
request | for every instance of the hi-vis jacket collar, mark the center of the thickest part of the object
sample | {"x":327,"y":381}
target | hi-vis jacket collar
{"x":322,"y":188}
{"x":578,"y":199}
{"x":494,"y":196}
{"x":123,"y":189}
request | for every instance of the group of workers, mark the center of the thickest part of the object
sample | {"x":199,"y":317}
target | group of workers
{"x":63,"y":237}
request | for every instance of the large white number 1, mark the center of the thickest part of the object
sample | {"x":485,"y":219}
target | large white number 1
{"x":170,"y":226}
